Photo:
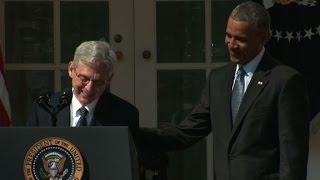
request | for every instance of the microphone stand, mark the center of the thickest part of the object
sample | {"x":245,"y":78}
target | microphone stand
{"x":44,"y":102}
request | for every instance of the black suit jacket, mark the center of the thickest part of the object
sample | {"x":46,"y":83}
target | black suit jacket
{"x":269,"y":140}
{"x":110,"y":111}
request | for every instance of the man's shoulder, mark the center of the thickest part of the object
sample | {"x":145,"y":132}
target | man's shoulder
{"x":280,"y":73}
{"x":118,"y":110}
{"x":117,"y":102}
{"x":280,"y":70}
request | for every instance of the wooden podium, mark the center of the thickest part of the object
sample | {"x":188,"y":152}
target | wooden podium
{"x":107,"y":152}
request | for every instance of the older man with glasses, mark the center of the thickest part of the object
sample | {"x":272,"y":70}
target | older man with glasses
{"x":88,"y":103}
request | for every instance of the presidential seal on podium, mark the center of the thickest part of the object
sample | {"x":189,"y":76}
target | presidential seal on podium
{"x":53,"y":158}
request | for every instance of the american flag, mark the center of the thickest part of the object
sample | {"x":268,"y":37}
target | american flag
{"x":5,"y":111}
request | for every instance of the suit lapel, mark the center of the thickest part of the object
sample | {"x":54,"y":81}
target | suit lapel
{"x":220,"y":88}
{"x":226,"y":91}
{"x":63,"y":117}
{"x":101,"y":110}
{"x":256,"y":86}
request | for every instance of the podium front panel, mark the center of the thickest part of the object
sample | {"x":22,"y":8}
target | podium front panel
{"x":108,"y":152}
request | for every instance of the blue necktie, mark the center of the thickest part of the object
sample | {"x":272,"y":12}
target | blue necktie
{"x":237,"y":92}
{"x":83,"y":117}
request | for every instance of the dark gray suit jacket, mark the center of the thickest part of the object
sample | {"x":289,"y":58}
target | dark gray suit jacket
{"x":110,"y":111}
{"x":269,"y":140}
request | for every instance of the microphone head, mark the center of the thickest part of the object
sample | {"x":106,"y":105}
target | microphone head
{"x":65,"y":99}
{"x":44,"y":102}
{"x":43,"y":99}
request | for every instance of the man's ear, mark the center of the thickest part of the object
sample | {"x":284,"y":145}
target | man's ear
{"x":70,"y":68}
{"x":266,"y":37}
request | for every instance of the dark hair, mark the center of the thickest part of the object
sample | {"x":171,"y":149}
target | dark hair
{"x":253,"y":13}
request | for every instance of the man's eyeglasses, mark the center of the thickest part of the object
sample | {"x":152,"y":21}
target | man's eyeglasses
{"x":85,"y":80}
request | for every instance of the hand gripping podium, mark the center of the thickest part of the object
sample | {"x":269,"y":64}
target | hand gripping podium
{"x":68,"y":153}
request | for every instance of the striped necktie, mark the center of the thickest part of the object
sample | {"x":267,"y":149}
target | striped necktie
{"x":237,"y":92}
{"x":83,"y":117}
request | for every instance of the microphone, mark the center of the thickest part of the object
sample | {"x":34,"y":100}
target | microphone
{"x":43,"y":101}
{"x":64,"y":100}
{"x":55,"y":106}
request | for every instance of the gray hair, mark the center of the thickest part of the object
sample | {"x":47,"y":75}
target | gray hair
{"x":90,"y":52}
{"x":253,"y":13}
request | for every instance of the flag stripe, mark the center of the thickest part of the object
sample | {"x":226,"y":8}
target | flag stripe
{"x":4,"y":119}
{"x":5,"y":111}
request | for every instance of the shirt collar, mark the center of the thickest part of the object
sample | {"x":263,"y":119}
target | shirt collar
{"x":76,"y":105}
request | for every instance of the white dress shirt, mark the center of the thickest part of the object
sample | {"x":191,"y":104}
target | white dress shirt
{"x":75,"y":114}
{"x":250,"y":68}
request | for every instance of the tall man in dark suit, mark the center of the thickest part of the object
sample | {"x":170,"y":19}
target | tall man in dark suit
{"x":260,"y":128}
{"x":91,"y":72}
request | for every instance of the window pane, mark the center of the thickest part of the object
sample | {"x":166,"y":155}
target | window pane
{"x":82,"y":21}
{"x":24,"y":87}
{"x":29,"y":32}
{"x":180,"y":32}
{"x":220,"y":13}
{"x":65,"y":80}
{"x":178,"y":91}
